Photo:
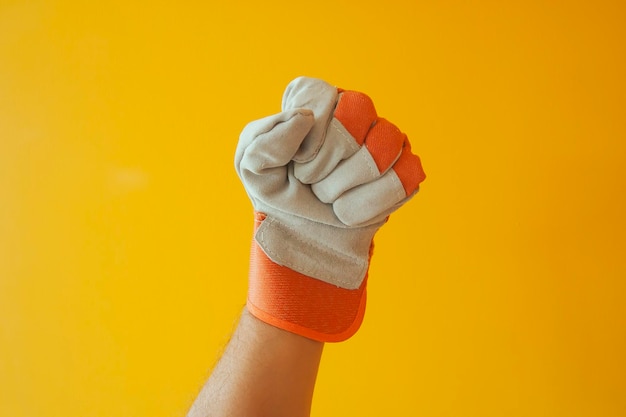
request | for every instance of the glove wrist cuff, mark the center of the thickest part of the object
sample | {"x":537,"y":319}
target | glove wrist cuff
{"x":300,"y":304}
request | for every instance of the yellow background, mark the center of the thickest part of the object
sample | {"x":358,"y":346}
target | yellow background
{"x":124,"y":231}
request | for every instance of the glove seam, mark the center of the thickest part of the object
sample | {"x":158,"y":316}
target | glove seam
{"x":308,"y":242}
{"x":350,"y":141}
{"x":375,"y":173}
{"x":320,"y":245}
{"x":401,"y":194}
{"x":259,"y":137}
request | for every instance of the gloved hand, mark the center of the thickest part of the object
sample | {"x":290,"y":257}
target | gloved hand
{"x":323,"y":175}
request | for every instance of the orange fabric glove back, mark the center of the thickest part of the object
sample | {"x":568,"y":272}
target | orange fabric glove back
{"x":323,"y":175}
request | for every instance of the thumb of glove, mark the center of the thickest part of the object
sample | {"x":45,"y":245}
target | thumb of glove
{"x":265,"y":148}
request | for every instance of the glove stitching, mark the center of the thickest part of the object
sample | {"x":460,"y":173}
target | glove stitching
{"x":322,"y":244}
{"x":375,"y":173}
{"x":348,"y":139}
{"x":257,"y":169}
{"x":400,"y":193}
{"x":305,"y":270}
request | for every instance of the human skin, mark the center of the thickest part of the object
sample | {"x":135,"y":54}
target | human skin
{"x":264,"y":371}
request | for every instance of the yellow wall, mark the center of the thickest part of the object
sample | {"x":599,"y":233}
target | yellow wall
{"x":499,"y":291}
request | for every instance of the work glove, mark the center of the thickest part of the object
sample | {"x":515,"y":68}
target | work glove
{"x":323,"y":175}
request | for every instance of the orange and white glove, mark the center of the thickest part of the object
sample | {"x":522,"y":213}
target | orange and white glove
{"x":323,"y":175}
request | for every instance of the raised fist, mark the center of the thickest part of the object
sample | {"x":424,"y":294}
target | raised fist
{"x":323,"y":175}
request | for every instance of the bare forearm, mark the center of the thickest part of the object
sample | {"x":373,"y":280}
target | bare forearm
{"x":264,"y":371}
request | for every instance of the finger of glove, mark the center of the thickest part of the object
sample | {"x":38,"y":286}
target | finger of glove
{"x":354,"y":116}
{"x":356,"y":112}
{"x":377,"y":199}
{"x":382,"y":147}
{"x":409,"y":169}
{"x":266,"y":147}
{"x":321,"y":98}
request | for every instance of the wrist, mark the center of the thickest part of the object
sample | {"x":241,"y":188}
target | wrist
{"x":306,"y":306}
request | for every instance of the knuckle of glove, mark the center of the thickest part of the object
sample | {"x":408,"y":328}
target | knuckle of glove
{"x":355,"y":162}
{"x":321,"y":98}
{"x":381,"y":175}
{"x":265,"y":149}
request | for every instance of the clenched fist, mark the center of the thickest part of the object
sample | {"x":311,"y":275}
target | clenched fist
{"x":323,"y":175}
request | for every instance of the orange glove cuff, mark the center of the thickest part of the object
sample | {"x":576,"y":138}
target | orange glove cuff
{"x":300,"y":304}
